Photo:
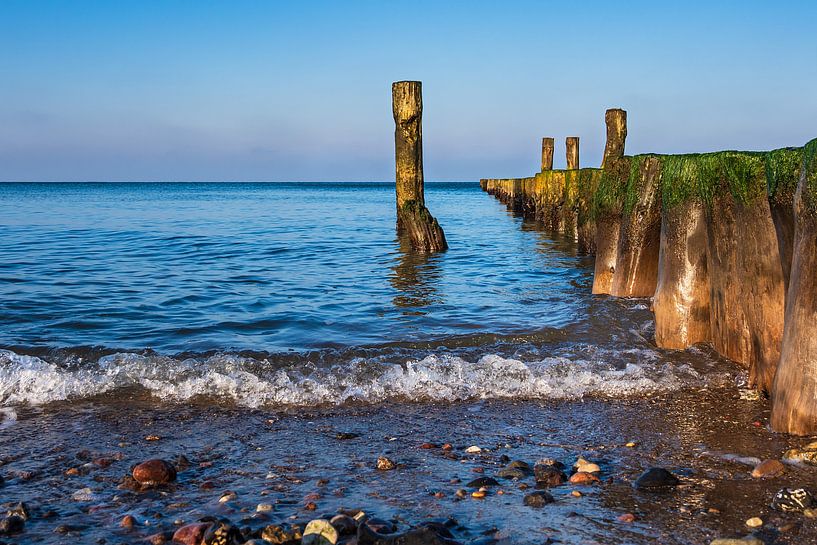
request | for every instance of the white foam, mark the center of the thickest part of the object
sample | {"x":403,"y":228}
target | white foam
{"x":253,"y":383}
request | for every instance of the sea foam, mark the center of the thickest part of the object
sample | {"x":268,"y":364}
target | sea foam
{"x":248,"y":382}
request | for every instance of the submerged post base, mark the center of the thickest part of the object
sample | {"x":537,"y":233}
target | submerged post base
{"x":415,"y":221}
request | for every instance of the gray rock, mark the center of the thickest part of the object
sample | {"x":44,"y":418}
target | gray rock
{"x":539,"y":498}
{"x":482,"y":481}
{"x":656,"y":478}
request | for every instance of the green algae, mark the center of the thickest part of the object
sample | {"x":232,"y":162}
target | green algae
{"x":810,"y":173}
{"x":705,"y":176}
{"x":782,"y":174}
{"x":609,"y":194}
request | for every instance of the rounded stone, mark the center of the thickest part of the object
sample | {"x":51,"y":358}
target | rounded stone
{"x":793,"y":500}
{"x":154,"y":472}
{"x":656,"y":478}
{"x":582,"y":477}
{"x":191,"y":534}
{"x":384,"y":464}
{"x":481,"y":482}
{"x":768,"y":468}
{"x":548,"y":475}
{"x":319,"y":532}
{"x":540,"y":498}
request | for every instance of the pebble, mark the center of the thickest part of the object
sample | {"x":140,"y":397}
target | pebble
{"x":263,"y":507}
{"x":582,"y":477}
{"x":275,"y":534}
{"x":754,"y":522}
{"x":805,"y":455}
{"x":748,"y":540}
{"x":84,"y":494}
{"x":154,"y":472}
{"x":227,"y":496}
{"x":461,"y":493}
{"x":512,"y":473}
{"x":191,"y":534}
{"x":482,"y":482}
{"x":768,"y":468}
{"x":344,"y":524}
{"x":473,"y":450}
{"x":319,"y":532}
{"x":793,"y":499}
{"x":548,"y":475}
{"x":576,"y":494}
{"x":127,"y":522}
{"x":631,"y":444}
{"x":540,"y":498}
{"x":384,"y":464}
{"x":427,"y":446}
{"x":11,"y":525}
{"x":656,"y":478}
{"x":448,"y":446}
{"x":626,"y":517}
{"x":479,"y":494}
{"x":311,"y":506}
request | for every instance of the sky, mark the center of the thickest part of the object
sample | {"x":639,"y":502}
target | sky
{"x":301,"y":90}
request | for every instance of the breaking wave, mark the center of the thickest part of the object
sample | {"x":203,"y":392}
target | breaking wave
{"x":249,"y":382}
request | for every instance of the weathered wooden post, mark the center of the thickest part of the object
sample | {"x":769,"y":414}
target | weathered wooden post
{"x":616,"y":121}
{"x":794,"y":394}
{"x":572,"y":154}
{"x":615,"y":173}
{"x":547,"y":153}
{"x":413,"y":218}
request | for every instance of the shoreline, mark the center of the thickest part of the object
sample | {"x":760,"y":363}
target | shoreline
{"x":328,"y":457}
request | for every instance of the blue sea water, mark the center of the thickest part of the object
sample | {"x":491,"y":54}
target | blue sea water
{"x":301,"y":293}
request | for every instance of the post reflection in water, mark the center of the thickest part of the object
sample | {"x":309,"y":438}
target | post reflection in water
{"x":415,"y":276}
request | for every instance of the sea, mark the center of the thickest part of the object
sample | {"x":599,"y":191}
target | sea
{"x":273,"y":340}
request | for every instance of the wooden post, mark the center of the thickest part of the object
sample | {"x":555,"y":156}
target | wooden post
{"x":547,"y":153}
{"x":572,"y":145}
{"x":616,"y":121}
{"x":413,"y":218}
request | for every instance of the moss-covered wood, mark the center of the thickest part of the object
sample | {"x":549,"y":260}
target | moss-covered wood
{"x":794,"y":394}
{"x":413,"y":219}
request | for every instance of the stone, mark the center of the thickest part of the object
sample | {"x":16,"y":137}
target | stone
{"x":519,"y":464}
{"x":385,"y":464}
{"x":582,"y":477}
{"x":656,"y":478}
{"x":549,"y":475}
{"x":191,"y":534}
{"x":768,"y":468}
{"x":19,"y":509}
{"x":11,"y":525}
{"x":154,"y":472}
{"x":626,"y":517}
{"x":748,"y":540}
{"x":473,"y":450}
{"x":482,"y":482}
{"x":263,"y":508}
{"x":512,"y":473}
{"x":479,"y":494}
{"x":84,"y":495}
{"x":275,"y":534}
{"x":754,"y":522}
{"x":793,"y":500}
{"x":590,"y":468}
{"x":319,"y":532}
{"x":806,"y":455}
{"x":344,"y":524}
{"x":221,"y":532}
{"x":540,"y":498}
{"x":127,"y":522}
{"x":229,"y":495}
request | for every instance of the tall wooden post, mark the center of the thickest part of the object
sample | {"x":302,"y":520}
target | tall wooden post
{"x":547,"y":153}
{"x":572,"y":145}
{"x":413,"y":218}
{"x":616,"y":121}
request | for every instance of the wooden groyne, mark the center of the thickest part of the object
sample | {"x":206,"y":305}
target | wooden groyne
{"x":725,"y":243}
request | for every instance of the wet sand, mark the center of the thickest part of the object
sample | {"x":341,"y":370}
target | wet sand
{"x":288,"y":459}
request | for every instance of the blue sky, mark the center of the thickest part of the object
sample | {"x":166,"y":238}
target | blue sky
{"x":301,"y":90}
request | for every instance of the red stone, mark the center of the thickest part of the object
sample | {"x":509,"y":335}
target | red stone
{"x":627,"y":517}
{"x":191,"y":534}
{"x":768,"y":468}
{"x":582,"y":477}
{"x":154,"y":472}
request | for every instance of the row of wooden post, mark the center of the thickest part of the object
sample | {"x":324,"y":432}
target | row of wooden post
{"x":571,"y":153}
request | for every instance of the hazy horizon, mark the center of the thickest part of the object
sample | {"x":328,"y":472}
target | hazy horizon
{"x":255,"y":91}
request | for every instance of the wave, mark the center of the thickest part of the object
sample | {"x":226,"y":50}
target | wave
{"x":253,"y":383}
